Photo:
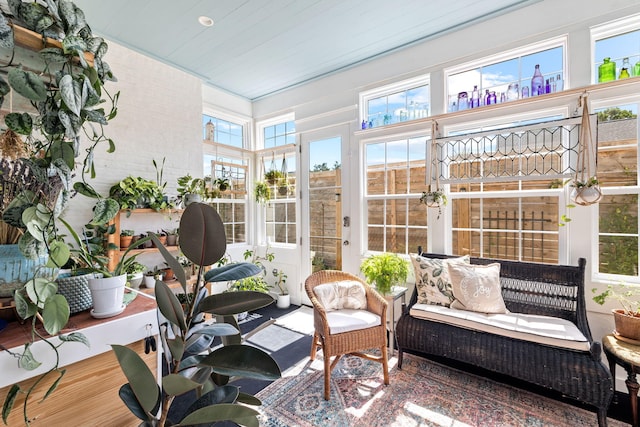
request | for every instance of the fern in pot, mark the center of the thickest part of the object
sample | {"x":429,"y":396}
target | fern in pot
{"x":384,"y":271}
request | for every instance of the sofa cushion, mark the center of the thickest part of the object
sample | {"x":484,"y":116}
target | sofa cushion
{"x":432,"y":279}
{"x":477,"y":287}
{"x":343,"y":294}
{"x":527,"y":327}
{"x":351,"y":320}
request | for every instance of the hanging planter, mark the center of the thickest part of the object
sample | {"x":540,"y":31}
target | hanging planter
{"x":586,"y":189}
{"x":434,"y":198}
{"x":587,"y":192}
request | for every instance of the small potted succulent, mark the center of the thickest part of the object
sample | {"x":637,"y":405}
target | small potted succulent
{"x":134,"y":274}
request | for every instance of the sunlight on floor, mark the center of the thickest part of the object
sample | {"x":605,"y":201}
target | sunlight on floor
{"x":433,"y":417}
{"x":300,"y":320}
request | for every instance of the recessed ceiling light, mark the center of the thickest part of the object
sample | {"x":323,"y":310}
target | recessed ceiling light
{"x":206,"y":21}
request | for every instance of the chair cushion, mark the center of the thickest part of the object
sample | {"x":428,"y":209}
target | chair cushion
{"x":527,"y":327}
{"x":477,"y":287}
{"x":351,"y":320}
{"x":343,"y":294}
{"x":432,"y":279}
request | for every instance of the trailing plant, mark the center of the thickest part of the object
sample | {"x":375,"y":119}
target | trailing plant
{"x":436,"y":198}
{"x":70,"y":102}
{"x":385,"y":271}
{"x":190,"y":185}
{"x":137,"y":192}
{"x":261,"y":192}
{"x":190,"y":362}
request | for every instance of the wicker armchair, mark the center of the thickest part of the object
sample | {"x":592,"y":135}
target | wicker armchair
{"x":352,"y":342}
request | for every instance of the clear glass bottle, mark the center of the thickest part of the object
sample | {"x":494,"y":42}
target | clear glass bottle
{"x":607,"y":71}
{"x":475,"y":97}
{"x":537,"y":82}
{"x":525,"y":91}
{"x":559,"y":83}
{"x":513,"y":92}
{"x":463,"y":101}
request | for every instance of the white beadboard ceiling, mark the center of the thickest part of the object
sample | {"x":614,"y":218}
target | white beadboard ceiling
{"x":260,"y":47}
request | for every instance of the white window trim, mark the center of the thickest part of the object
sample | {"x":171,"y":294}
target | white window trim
{"x":262,"y":124}
{"x":529,"y":49}
{"x":389,"y":89}
{"x":615,"y":28}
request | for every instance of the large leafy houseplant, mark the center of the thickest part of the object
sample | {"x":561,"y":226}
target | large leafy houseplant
{"x":67,"y":97}
{"x":385,"y":271}
{"x":190,"y":362}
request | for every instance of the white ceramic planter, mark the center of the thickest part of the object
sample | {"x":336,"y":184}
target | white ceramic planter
{"x":135,"y":280}
{"x":586,"y":196}
{"x":283,"y":301}
{"x":149,"y":281}
{"x":107,"y":294}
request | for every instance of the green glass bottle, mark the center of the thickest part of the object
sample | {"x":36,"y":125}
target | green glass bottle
{"x":636,"y":69}
{"x":607,"y":71}
{"x":624,"y":74}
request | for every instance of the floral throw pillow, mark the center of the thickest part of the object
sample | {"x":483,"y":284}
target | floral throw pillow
{"x":432,"y":279}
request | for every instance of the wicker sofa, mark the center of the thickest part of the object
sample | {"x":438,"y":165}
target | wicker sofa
{"x":529,"y":288}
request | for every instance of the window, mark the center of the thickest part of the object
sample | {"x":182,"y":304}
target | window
{"x":616,"y":41}
{"x":279,"y":134}
{"x":399,"y":102}
{"x":225,"y":177}
{"x":396,"y":221}
{"x":277,"y":167}
{"x":506,"y":186}
{"x":618,"y":177}
{"x":222,"y":131}
{"x":507,"y":76}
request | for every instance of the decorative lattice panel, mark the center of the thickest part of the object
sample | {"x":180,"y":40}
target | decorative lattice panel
{"x":539,"y":151}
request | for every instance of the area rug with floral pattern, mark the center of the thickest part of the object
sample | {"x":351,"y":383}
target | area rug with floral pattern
{"x":423,"y":393}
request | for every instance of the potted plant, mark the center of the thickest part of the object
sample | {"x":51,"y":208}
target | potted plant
{"x":137,"y":193}
{"x":107,"y":286}
{"x":191,"y":363}
{"x":274,"y":177}
{"x":126,"y":237}
{"x":283,"y":299}
{"x":627,"y":318}
{"x":434,"y":199}
{"x":384,"y":271}
{"x":585,"y":192}
{"x":151,"y":277}
{"x":135,"y":274}
{"x":172,"y":236}
{"x":222,"y":184}
{"x":262,"y":192}
{"x":191,"y":189}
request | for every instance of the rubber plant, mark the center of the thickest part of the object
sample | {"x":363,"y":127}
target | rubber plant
{"x":67,"y":93}
{"x":189,"y":360}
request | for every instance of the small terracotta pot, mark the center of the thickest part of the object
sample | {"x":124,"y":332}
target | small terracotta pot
{"x":125,"y":241}
{"x":168,"y":274}
{"x":627,"y":325}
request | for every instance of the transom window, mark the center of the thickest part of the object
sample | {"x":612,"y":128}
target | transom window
{"x":399,"y":102}
{"x":617,"y":41}
{"x":279,"y":134}
{"x":222,"y":131}
{"x":507,"y":76}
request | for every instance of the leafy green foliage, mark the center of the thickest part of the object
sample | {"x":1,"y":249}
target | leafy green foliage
{"x":187,"y":337}
{"x":615,"y":113}
{"x":385,"y":271}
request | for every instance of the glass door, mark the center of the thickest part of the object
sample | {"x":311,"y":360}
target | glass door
{"x":323,"y":232}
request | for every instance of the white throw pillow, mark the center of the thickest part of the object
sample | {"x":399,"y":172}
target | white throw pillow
{"x":344,"y":294}
{"x":477,"y":288}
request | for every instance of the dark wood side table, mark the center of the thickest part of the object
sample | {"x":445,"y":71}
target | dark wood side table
{"x":627,"y":355}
